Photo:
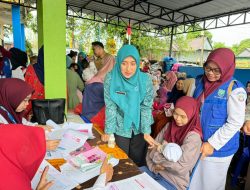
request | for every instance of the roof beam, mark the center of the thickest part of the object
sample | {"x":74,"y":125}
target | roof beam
{"x":142,"y":13}
{"x":86,"y":4}
{"x":107,"y":21}
{"x":133,"y":5}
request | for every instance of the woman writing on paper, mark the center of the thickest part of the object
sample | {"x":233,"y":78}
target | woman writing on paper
{"x":14,"y":98}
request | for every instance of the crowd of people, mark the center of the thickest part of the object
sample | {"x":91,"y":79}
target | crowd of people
{"x":167,"y":123}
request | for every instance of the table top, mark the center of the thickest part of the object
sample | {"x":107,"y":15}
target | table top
{"x":126,"y":167}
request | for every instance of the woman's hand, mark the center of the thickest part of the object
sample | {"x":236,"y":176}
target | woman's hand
{"x":158,"y":168}
{"x":43,"y":183}
{"x":52,"y":144}
{"x":246,"y":127}
{"x":108,"y":169}
{"x":150,"y":141}
{"x":206,"y":150}
{"x":105,"y":137}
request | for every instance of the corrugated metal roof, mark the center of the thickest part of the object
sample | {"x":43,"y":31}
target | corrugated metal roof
{"x":161,"y":14}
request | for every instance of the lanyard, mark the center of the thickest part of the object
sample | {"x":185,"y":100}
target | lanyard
{"x":9,"y":115}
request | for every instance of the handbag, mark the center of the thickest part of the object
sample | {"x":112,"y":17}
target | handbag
{"x":46,"y":109}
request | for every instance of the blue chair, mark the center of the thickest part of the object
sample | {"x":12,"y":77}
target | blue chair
{"x":192,"y":174}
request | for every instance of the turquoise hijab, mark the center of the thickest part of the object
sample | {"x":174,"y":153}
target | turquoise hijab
{"x":81,"y":54}
{"x":128,"y":93}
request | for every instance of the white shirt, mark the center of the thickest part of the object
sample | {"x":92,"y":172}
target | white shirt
{"x":89,"y":72}
{"x":24,"y":121}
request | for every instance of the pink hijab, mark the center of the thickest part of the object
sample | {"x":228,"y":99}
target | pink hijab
{"x":176,"y":134}
{"x":225,"y":59}
{"x":108,"y":64}
{"x":171,"y":80}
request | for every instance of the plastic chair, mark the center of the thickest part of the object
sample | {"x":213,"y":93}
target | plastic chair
{"x":192,"y":174}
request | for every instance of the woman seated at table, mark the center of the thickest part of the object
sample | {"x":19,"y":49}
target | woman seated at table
{"x":21,"y":157}
{"x":15,"y":95}
{"x":128,"y":95}
{"x":184,"y":131}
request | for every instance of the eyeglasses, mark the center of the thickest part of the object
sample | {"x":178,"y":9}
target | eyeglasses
{"x":216,"y":71}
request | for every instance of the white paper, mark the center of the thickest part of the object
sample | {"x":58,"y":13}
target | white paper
{"x":53,"y":124}
{"x":77,"y":175}
{"x":58,"y":132}
{"x":139,"y":182}
{"x":55,"y":134}
{"x":61,"y":182}
{"x":83,"y":127}
{"x":85,"y":166}
{"x":70,"y":141}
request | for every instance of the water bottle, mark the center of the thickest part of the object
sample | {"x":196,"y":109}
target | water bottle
{"x":111,"y":142}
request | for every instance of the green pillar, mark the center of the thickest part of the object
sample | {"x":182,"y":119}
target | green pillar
{"x":54,"y":40}
{"x":40,"y":22}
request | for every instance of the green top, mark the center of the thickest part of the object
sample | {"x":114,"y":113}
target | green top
{"x":115,"y":116}
{"x":74,"y":82}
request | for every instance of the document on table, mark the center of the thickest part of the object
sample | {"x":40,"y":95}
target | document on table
{"x":61,"y":182}
{"x":83,"y":127}
{"x":57,"y":133}
{"x":139,"y":182}
{"x":71,"y":141}
{"x":86,"y":165}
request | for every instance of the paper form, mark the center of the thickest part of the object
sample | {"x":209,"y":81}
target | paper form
{"x":61,"y":182}
{"x":139,"y":182}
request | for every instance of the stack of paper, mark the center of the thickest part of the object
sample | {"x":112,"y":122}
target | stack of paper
{"x":61,"y":182}
{"x":58,"y":131}
{"x":85,"y":165}
{"x":70,"y":141}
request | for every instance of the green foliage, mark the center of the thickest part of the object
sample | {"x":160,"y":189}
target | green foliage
{"x":243,"y":45}
{"x":30,"y":21}
{"x":28,"y":48}
{"x":7,"y":30}
{"x":219,"y":45}
{"x":198,"y":34}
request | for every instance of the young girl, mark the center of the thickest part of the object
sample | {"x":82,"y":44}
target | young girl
{"x":128,"y":95}
{"x":185,"y":131}
{"x":14,"y":99}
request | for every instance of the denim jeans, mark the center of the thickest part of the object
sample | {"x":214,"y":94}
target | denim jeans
{"x":157,"y":177}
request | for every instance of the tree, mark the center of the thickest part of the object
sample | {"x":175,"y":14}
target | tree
{"x":219,"y":45}
{"x":243,"y":45}
{"x":235,"y":48}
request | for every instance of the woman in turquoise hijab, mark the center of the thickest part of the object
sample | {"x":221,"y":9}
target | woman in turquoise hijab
{"x":128,"y":95}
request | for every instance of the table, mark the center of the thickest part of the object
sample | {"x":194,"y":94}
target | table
{"x":126,"y":167}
